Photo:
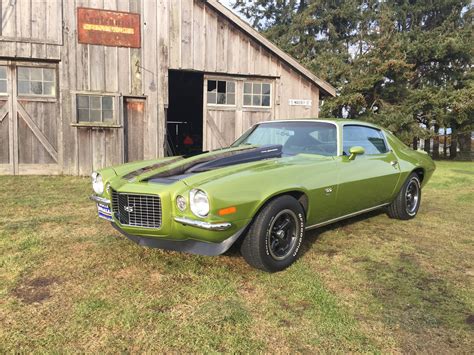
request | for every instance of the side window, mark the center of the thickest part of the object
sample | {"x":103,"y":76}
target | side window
{"x":3,"y":80}
{"x":220,"y":92}
{"x":36,"y":81}
{"x":94,"y":108}
{"x":257,"y":94}
{"x":371,"y":139}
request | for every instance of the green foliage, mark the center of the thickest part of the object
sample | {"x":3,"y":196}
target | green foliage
{"x":406,"y":65}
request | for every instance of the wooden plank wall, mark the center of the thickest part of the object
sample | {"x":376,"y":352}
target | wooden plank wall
{"x":31,"y":29}
{"x":176,"y":34}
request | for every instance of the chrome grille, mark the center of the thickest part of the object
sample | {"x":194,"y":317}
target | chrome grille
{"x":137,"y":210}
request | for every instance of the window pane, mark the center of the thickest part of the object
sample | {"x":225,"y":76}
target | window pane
{"x":230,"y":86}
{"x":108,"y":115}
{"x":221,"y":85}
{"x":257,"y":88}
{"x":247,"y":88}
{"x":3,"y":86}
{"x":211,"y":98}
{"x":230,"y":99}
{"x":23,"y":87}
{"x":96,"y":115}
{"x":266,"y":100}
{"x":107,"y":103}
{"x":23,"y":73}
{"x":247,"y":100}
{"x":48,"y":74}
{"x":83,"y":115}
{"x":36,"y":74}
{"x":49,"y":89}
{"x":256,"y":100}
{"x":369,"y":138}
{"x":211,"y":85}
{"x":36,"y":87}
{"x":220,"y":99}
{"x":82,"y":101}
{"x":3,"y":72}
{"x":95,"y":102}
{"x":266,"y":89}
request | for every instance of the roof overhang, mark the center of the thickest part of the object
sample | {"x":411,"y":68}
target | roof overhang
{"x":248,"y":30}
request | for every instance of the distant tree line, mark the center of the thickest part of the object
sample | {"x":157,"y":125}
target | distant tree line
{"x":403,"y":64}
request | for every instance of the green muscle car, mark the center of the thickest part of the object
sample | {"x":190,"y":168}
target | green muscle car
{"x":280,"y":179}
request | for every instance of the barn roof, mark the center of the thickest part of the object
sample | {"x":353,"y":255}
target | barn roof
{"x":248,"y":30}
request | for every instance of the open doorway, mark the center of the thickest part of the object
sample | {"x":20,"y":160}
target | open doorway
{"x":185,"y":113}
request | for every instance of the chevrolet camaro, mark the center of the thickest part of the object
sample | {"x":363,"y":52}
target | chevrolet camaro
{"x":278,"y":180}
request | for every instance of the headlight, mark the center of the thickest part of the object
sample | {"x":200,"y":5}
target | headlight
{"x":97,"y":183}
{"x":199,"y":203}
{"x":181,"y":203}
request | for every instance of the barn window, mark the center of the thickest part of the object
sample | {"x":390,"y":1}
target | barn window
{"x":36,"y":81}
{"x":3,"y":80}
{"x":220,"y":92}
{"x":257,"y":94}
{"x":94,"y":108}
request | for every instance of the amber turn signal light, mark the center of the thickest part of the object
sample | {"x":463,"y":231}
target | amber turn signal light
{"x":226,"y":211}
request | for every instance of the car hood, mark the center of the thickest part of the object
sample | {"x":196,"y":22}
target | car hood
{"x":203,"y":168}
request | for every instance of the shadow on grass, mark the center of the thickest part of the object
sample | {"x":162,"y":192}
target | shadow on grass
{"x":312,"y":236}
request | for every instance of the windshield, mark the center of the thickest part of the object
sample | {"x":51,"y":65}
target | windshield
{"x":295,"y":137}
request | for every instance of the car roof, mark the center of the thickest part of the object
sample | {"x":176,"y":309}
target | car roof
{"x":338,"y":121}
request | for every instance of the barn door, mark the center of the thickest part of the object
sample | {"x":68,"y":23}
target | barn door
{"x":134,"y":128}
{"x":30,"y":124}
{"x":232,"y":105}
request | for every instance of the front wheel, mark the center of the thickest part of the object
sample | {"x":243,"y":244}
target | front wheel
{"x":406,"y":204}
{"x":274,"y":239}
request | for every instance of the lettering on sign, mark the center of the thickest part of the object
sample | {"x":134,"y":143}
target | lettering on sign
{"x":299,"y":102}
{"x":108,"y":28}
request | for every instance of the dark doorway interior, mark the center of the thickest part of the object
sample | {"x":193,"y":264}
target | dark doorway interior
{"x":185,"y":113}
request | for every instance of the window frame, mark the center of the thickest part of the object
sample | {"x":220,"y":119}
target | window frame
{"x":217,"y":81}
{"x":116,"y":122}
{"x":37,"y":97}
{"x":261,"y":82}
{"x":389,"y":149}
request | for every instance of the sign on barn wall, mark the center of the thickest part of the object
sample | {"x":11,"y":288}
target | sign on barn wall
{"x":299,"y":102}
{"x":108,"y":28}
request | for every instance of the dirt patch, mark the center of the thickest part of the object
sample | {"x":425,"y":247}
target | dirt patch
{"x":34,"y":290}
{"x":470,"y":320}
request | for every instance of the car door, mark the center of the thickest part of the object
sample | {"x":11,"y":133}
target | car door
{"x":368,"y":180}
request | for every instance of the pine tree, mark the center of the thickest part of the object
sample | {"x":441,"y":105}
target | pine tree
{"x":404,"y":64}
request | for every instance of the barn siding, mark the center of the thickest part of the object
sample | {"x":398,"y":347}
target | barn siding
{"x":176,"y":34}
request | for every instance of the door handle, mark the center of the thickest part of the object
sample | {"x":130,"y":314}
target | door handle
{"x":394,"y":163}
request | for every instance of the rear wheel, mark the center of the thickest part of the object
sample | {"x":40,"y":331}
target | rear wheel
{"x":406,"y":204}
{"x":274,"y":239}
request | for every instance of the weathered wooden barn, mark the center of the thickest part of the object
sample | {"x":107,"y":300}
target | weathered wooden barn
{"x":90,"y":83}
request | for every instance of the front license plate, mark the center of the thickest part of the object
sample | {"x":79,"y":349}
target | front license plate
{"x":104,"y":212}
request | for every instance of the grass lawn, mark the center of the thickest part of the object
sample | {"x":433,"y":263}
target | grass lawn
{"x":69,"y":282}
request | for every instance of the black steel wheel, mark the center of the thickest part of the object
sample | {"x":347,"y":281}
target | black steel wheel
{"x":274,"y":238}
{"x":406,"y":204}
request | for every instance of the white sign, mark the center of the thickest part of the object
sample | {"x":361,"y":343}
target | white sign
{"x":299,"y":102}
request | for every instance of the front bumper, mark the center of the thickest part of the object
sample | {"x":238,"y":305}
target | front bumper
{"x":188,"y":246}
{"x":179,"y":233}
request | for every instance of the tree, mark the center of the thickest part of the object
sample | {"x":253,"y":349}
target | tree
{"x":405,"y":64}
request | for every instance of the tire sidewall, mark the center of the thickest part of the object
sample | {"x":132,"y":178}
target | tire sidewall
{"x":411,"y":178}
{"x":272,"y":209}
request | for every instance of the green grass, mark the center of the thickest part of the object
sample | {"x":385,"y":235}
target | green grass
{"x":69,"y":282}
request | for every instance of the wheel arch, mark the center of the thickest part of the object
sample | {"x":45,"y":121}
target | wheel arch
{"x":420,"y":172}
{"x":300,"y":195}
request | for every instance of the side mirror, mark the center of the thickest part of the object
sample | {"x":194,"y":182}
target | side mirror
{"x":355,"y":151}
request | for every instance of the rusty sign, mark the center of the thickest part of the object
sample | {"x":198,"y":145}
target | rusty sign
{"x":108,"y":28}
